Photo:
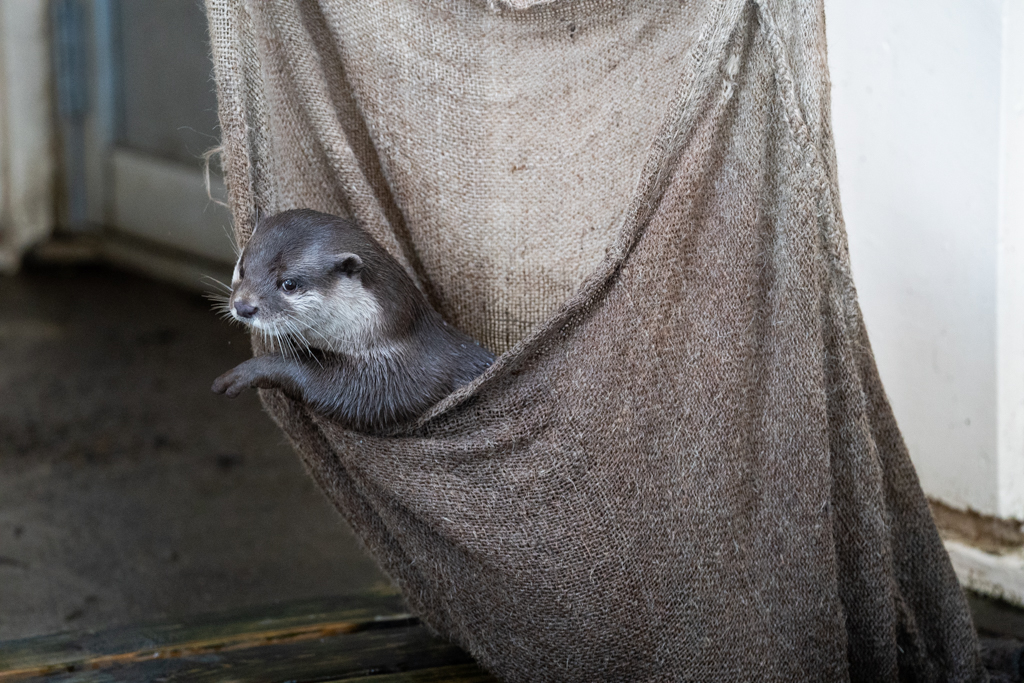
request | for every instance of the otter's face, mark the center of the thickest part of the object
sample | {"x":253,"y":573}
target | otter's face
{"x":298,"y":292}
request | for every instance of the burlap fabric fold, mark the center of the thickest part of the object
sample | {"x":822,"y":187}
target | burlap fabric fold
{"x":683,"y":466}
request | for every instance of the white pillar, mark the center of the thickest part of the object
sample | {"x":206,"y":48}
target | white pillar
{"x":1010,"y":294}
{"x":26,"y":129}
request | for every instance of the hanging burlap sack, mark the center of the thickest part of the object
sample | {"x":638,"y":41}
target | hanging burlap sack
{"x":684,"y":466}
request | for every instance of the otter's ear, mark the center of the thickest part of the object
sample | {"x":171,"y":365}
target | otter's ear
{"x":349,"y":264}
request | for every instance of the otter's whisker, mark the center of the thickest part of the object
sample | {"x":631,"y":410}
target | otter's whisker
{"x":296,"y":335}
{"x":214,"y":281}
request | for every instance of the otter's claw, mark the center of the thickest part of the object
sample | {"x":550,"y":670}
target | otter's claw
{"x":231,"y":383}
{"x":255,"y":373}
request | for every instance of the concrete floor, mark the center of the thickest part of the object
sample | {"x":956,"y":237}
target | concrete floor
{"x":128,"y":491}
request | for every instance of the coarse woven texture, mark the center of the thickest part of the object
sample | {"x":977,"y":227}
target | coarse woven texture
{"x":683,"y":466}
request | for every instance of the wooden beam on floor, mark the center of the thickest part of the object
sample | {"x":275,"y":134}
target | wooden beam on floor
{"x":361,"y":638}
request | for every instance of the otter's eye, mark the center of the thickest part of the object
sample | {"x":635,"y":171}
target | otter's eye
{"x":289,"y":285}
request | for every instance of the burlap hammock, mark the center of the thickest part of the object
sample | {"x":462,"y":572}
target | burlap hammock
{"x":683,"y":466}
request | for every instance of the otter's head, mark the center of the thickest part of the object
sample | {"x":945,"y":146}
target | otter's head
{"x":301,"y":280}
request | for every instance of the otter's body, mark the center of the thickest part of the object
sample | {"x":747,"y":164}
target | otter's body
{"x":352,"y":336}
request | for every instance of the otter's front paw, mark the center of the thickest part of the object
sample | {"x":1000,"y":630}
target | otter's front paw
{"x":251,"y":373}
{"x":232,"y":382}
{"x":258,"y":373}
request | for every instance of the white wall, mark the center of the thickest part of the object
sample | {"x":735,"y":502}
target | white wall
{"x":924,"y":109}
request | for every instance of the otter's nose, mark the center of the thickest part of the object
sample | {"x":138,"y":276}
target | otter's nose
{"x":245,"y":309}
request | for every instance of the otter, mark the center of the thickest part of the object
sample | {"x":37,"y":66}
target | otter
{"x":350,"y":334}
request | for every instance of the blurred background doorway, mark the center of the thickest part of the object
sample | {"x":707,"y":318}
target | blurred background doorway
{"x":137,"y":112}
